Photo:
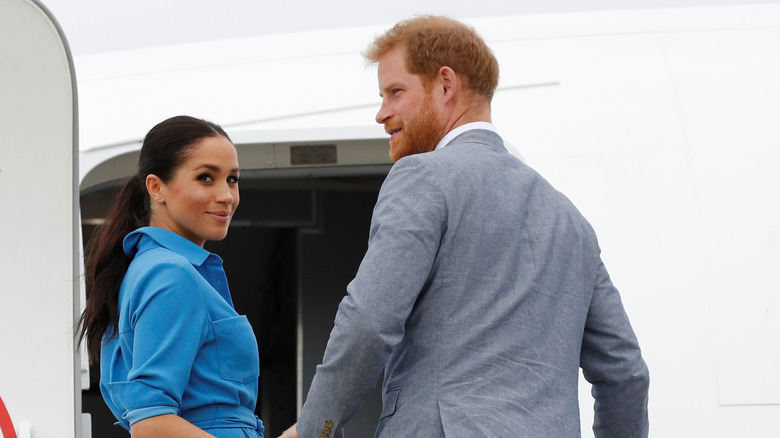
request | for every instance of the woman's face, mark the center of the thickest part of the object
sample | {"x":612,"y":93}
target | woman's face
{"x":200,"y":199}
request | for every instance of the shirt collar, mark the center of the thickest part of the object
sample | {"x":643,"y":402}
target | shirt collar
{"x":463,"y":128}
{"x":135,"y":243}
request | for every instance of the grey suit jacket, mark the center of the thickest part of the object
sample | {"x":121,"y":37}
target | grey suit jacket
{"x":481,"y":295}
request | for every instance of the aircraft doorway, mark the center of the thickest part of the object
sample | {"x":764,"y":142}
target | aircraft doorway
{"x":294,"y":245}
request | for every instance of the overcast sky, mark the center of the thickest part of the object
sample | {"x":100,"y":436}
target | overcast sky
{"x":96,"y":26}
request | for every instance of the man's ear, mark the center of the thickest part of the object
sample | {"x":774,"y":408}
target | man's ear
{"x":449,"y":82}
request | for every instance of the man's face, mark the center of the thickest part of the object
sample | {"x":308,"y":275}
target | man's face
{"x":408,"y":109}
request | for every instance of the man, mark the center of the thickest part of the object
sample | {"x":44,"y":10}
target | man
{"x":482,"y":292}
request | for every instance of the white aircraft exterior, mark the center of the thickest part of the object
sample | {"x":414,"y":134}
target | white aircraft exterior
{"x":662,"y":126}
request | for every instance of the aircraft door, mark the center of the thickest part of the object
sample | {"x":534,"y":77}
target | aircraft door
{"x":38,"y":225}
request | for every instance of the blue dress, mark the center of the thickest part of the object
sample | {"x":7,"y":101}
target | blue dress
{"x":181,"y":347}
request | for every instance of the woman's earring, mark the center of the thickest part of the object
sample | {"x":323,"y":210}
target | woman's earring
{"x":160,"y":200}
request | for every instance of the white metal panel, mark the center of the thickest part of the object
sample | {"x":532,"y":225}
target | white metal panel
{"x":730,"y":97}
{"x":38,"y":226}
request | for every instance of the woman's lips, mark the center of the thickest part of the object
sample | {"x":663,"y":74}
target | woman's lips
{"x":220,"y":216}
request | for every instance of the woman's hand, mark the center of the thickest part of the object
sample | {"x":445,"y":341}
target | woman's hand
{"x":292,"y":432}
{"x":167,"y":426}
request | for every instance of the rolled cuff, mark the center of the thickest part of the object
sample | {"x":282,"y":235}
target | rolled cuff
{"x":136,"y":415}
{"x":139,"y":401}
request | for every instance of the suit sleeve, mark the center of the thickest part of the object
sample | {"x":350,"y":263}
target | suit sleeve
{"x":612,"y":362}
{"x":406,"y":229}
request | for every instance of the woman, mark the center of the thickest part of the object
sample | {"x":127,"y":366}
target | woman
{"x":176,"y":360}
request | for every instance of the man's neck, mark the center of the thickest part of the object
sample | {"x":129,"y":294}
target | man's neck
{"x":469,"y":115}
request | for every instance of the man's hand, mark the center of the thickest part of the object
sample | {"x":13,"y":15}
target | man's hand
{"x":292,"y":432}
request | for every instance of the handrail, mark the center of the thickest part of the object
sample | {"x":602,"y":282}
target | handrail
{"x":6,"y":425}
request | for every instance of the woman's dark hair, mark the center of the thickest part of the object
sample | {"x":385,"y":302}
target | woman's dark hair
{"x":164,"y":149}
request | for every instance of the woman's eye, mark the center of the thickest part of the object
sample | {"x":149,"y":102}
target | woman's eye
{"x":205,"y":178}
{"x":233,"y":179}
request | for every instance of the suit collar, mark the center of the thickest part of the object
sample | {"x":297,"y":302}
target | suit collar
{"x":484,"y":137}
{"x":447,"y":139}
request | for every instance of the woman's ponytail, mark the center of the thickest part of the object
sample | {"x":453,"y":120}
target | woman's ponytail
{"x":105,"y":263}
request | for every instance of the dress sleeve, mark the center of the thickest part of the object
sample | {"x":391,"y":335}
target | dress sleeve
{"x":168,"y":324}
{"x":612,"y":362}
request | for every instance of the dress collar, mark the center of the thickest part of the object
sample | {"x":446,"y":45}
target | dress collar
{"x":135,"y":242}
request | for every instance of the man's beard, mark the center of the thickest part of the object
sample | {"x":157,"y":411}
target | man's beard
{"x":420,"y":134}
